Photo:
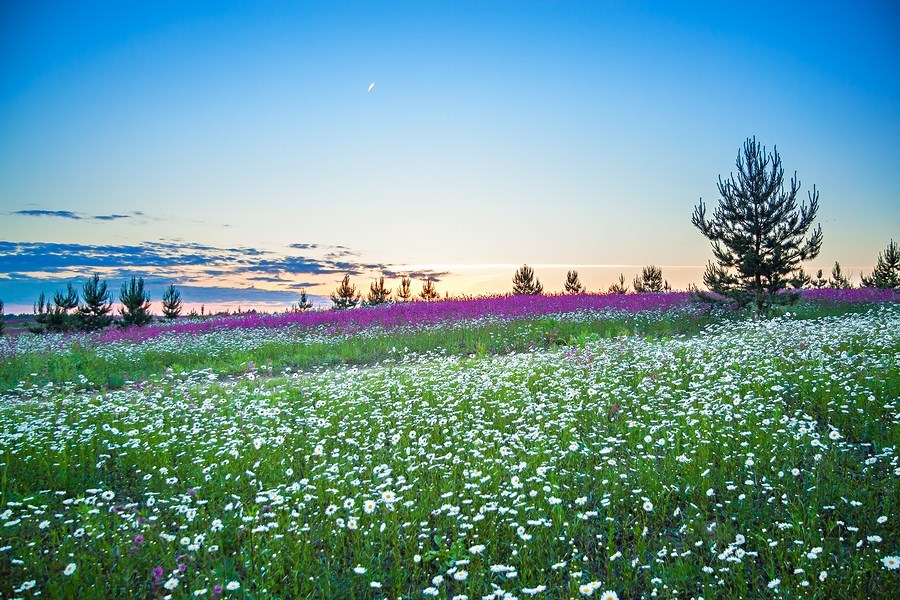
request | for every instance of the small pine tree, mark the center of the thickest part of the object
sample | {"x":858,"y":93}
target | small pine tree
{"x":428,"y":292}
{"x":819,"y":281}
{"x":2,"y":318}
{"x":619,"y":287}
{"x":58,"y":317}
{"x":799,"y":280}
{"x":573,"y":283}
{"x":838,"y":280}
{"x":41,"y":315}
{"x":887,"y":270}
{"x":304,"y":303}
{"x":95,"y":314}
{"x":345,"y":296}
{"x":525,"y":284}
{"x":651,"y":280}
{"x":171,"y":302}
{"x":135,"y":303}
{"x":758,"y":231}
{"x":404,"y":291}
{"x":378,"y":294}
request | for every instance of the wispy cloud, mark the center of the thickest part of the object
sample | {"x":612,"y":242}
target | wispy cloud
{"x":63,"y":214}
{"x":68,"y":214}
{"x":415,"y":274}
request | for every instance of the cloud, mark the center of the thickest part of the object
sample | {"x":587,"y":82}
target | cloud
{"x":51,"y":258}
{"x":416,"y":275}
{"x":27,"y":268}
{"x":304,"y":246}
{"x":64,"y":214}
{"x":68,"y":214}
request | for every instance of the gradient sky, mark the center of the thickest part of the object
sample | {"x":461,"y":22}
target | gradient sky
{"x":234,"y":145}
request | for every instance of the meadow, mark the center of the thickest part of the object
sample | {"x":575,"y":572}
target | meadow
{"x":558,"y":447}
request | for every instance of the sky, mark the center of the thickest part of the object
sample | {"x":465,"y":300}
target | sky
{"x":236,"y":150}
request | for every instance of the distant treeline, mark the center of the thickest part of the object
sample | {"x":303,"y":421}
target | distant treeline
{"x":650,"y":280}
{"x":91,"y":308}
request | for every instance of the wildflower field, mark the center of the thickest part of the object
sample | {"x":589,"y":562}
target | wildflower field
{"x":555,"y":448}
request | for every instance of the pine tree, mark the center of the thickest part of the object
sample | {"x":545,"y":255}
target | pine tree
{"x":619,"y":287}
{"x":135,"y":303}
{"x":41,"y":315}
{"x":573,"y":283}
{"x":758,"y":231}
{"x":58,"y":317}
{"x":304,"y":303}
{"x":171,"y":302}
{"x":345,"y":296}
{"x":378,"y":294}
{"x":887,"y":270}
{"x":429,"y":293}
{"x":2,"y":318}
{"x":94,"y":313}
{"x":404,"y":291}
{"x":525,"y":284}
{"x":799,"y":280}
{"x":651,"y":280}
{"x":838,"y":281}
{"x":820,"y":281}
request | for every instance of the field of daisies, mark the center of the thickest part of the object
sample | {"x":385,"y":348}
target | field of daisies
{"x":614,"y":452}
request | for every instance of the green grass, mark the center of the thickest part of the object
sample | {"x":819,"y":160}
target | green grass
{"x":309,"y":350}
{"x":565,"y":429}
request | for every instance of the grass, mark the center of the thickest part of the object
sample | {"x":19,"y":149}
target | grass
{"x":560,"y":456}
{"x":75,"y":358}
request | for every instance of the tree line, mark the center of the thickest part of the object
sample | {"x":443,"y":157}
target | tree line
{"x":92,"y":310}
{"x":649,"y":280}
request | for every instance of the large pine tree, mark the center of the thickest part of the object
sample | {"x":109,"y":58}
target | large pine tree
{"x":887,"y":270}
{"x":758,"y":231}
{"x":525,"y":283}
{"x":95,"y":312}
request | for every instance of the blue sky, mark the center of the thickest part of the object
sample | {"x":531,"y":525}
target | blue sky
{"x":497,"y":133}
